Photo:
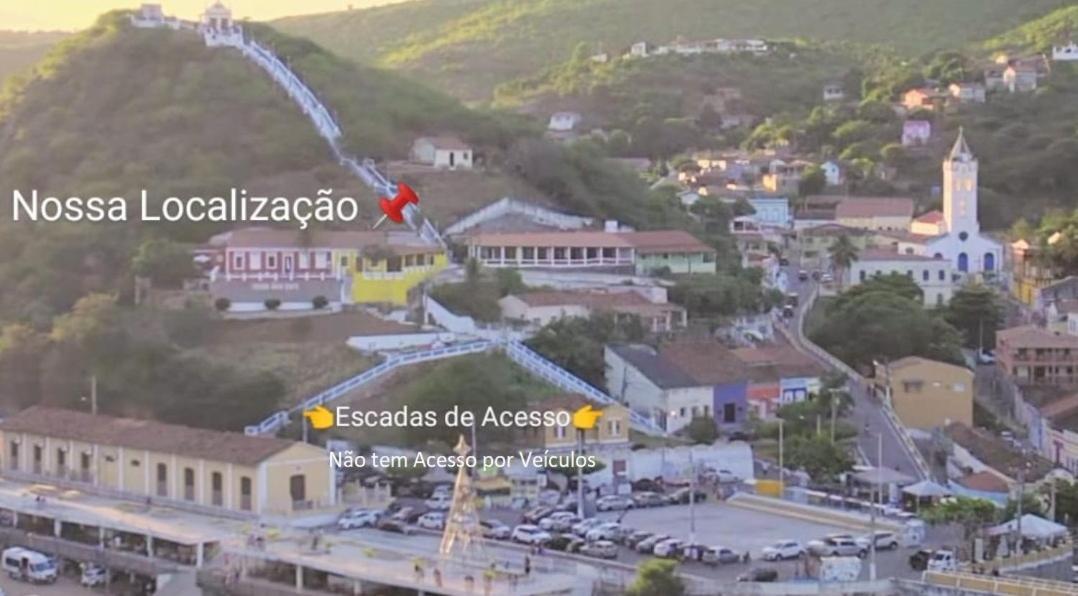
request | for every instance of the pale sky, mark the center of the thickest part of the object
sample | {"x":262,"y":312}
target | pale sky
{"x":79,"y":14}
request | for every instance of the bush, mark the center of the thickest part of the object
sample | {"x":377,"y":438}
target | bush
{"x":272,"y":303}
{"x":320,"y":302}
{"x":702,"y":430}
{"x":222,"y":304}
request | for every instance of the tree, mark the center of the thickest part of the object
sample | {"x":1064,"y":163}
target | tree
{"x":576,"y":343}
{"x":818,"y":456}
{"x":813,"y":181}
{"x":843,"y":253}
{"x":21,"y":352}
{"x":702,"y":430}
{"x":975,"y":312}
{"x":656,"y":577}
{"x":165,"y":262}
{"x":972,"y":514}
{"x":1031,"y":503}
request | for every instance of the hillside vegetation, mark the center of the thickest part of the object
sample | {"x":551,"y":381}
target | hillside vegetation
{"x":19,"y":49}
{"x":1038,"y":35}
{"x":467,"y":47}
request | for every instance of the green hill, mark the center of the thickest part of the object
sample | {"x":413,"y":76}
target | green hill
{"x":1039,"y":34}
{"x":467,"y":47}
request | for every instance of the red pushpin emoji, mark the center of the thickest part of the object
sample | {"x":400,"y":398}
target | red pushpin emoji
{"x":394,"y":209}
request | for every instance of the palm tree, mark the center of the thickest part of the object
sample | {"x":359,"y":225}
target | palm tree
{"x":843,"y":253}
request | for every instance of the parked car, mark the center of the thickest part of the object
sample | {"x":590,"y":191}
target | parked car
{"x":884,"y":541}
{"x":943,"y":560}
{"x":681,"y":496}
{"x":647,"y":545}
{"x":529,"y":534}
{"x":357,"y":518}
{"x":93,"y":575}
{"x":561,"y":541}
{"x":719,"y":555}
{"x":637,"y":537}
{"x":613,"y":503}
{"x":532,"y":516}
{"x":603,"y":549}
{"x":919,"y":560}
{"x":558,"y":521}
{"x":29,"y":565}
{"x":759,"y":574}
{"x":439,"y":502}
{"x":986,"y":356}
{"x":605,"y":531}
{"x":827,"y":278}
{"x":669,"y":549}
{"x":836,"y":546}
{"x":582,"y":527}
{"x":783,"y":549}
{"x":648,"y":499}
{"x":434,"y":520}
{"x":654,"y":485}
{"x":495,"y":529}
{"x":721,"y":476}
{"x":403,"y":514}
{"x":395,"y":526}
{"x":802,"y":275}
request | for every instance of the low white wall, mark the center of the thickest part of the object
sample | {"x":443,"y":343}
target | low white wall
{"x":399,"y":341}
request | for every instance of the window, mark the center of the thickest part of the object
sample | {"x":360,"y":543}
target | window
{"x":924,"y":275}
{"x":135,"y":463}
{"x":729,"y":413}
{"x":909,"y":273}
{"x":942,"y":275}
{"x":271,"y":261}
{"x":162,"y":480}
{"x":681,"y":412}
{"x":189,"y":484}
{"x":559,"y":432}
{"x":245,"y":493}
{"x":237,"y":262}
{"x":13,"y":463}
{"x":61,"y":460}
{"x":217,"y":492}
{"x":615,"y":428}
{"x":862,"y":276}
{"x":84,"y":461}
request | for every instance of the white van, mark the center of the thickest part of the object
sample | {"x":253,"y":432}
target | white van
{"x":943,"y":560}
{"x":29,"y":565}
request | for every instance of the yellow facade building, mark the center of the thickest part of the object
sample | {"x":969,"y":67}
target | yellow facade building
{"x":340,"y":267}
{"x":926,"y":394}
{"x":172,"y":464}
{"x":612,"y":429}
{"x":1029,"y":272}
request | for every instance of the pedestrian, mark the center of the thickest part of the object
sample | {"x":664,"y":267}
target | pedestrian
{"x":437,"y":577}
{"x":527,"y":565}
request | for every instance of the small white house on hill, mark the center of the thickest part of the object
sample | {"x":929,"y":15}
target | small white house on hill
{"x":442,"y":152}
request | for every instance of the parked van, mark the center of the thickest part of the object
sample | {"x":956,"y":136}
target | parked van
{"x":29,"y":565}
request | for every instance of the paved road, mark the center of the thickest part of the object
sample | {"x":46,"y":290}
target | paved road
{"x":867,"y":412}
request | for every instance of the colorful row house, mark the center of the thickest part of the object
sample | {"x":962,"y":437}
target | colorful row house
{"x":297,"y":268}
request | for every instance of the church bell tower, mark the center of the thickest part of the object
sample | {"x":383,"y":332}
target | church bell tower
{"x":960,"y":189}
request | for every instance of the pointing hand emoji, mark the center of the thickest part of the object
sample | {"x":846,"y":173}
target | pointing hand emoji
{"x":320,"y":417}
{"x":586,"y":417}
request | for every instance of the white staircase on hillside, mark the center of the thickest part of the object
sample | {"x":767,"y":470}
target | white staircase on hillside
{"x":516,"y":351}
{"x":322,"y":118}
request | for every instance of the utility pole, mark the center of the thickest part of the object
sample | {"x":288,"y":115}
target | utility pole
{"x":692,"y":499}
{"x":1021,"y":496}
{"x":782,"y":473}
{"x":93,"y":395}
{"x":1052,"y":501}
{"x":833,"y":400}
{"x":580,"y":474}
{"x":872,"y":510}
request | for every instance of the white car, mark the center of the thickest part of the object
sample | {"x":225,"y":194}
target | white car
{"x":431,"y":521}
{"x":529,"y":534}
{"x":604,"y":531}
{"x":783,"y":549}
{"x":557,"y":519}
{"x":581,"y":528}
{"x":668,"y":548}
{"x":884,"y":541}
{"x":359,"y":518}
{"x":92,"y":576}
{"x":613,"y":503}
{"x":603,"y":549}
{"x":836,"y":546}
{"x":439,"y":502}
{"x":495,"y":529}
{"x":943,"y":560}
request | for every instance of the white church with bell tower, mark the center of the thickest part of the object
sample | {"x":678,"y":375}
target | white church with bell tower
{"x":955,"y":235}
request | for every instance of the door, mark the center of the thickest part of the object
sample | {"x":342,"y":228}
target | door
{"x":297,"y":486}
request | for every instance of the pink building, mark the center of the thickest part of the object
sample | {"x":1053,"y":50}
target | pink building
{"x":916,"y":132}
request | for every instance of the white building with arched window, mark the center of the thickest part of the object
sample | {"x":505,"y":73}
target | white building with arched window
{"x":955,"y":234}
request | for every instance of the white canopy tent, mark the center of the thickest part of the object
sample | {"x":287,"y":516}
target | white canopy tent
{"x":926,"y":489}
{"x":1033,"y":527}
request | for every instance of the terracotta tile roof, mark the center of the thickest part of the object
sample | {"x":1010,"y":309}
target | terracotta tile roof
{"x":905,"y":236}
{"x":875,"y":207}
{"x":996,"y":453}
{"x":984,"y":482}
{"x":667,"y":241}
{"x":833,"y":229}
{"x":1060,"y":408}
{"x":618,"y":301}
{"x":932,"y":217}
{"x":1032,"y":336}
{"x":148,"y":435}
{"x":448,"y":143}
